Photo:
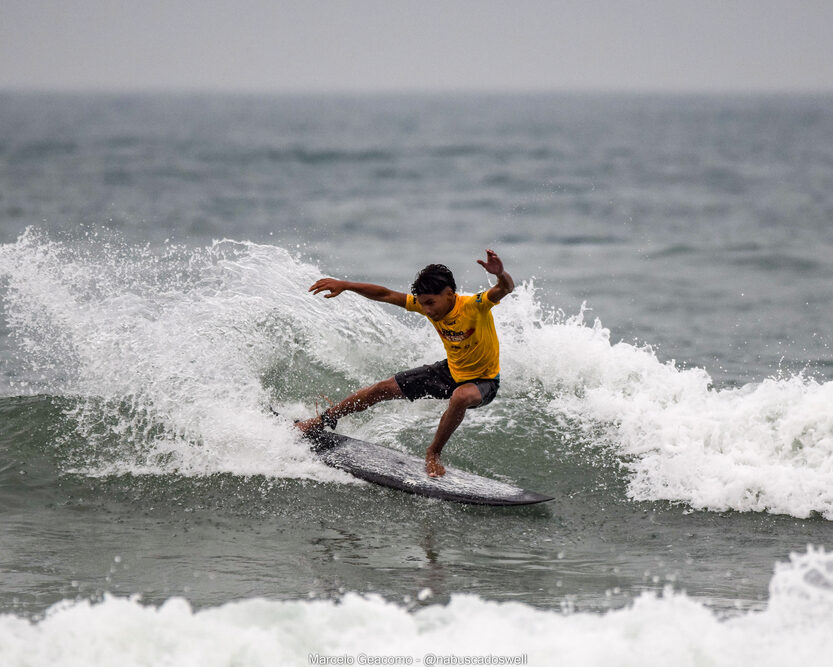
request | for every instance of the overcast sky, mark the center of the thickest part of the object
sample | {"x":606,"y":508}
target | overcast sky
{"x":361,"y":45}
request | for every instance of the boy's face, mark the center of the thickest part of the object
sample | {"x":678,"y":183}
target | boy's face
{"x":437,"y":306}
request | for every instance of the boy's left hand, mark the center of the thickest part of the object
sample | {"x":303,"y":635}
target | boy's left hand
{"x":493,"y":263}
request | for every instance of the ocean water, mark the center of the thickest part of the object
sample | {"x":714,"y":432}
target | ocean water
{"x":667,"y":375}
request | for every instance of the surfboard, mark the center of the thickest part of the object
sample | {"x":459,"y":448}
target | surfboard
{"x":406,"y":472}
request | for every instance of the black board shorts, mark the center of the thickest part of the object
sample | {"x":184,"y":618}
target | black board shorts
{"x":435,"y":381}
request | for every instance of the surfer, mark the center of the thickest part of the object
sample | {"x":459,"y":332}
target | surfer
{"x":470,"y":375}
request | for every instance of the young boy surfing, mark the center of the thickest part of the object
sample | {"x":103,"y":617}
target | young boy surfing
{"x":469,"y":377}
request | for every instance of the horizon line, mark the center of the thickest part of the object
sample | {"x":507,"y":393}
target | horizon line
{"x":411,"y":91}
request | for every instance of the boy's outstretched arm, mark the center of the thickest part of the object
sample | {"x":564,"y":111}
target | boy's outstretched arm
{"x":505,"y":284}
{"x":367,"y":290}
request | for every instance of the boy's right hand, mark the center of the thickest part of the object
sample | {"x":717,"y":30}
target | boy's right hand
{"x":333,"y":286}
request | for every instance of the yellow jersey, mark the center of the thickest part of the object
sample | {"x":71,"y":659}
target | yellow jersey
{"x":469,"y":336}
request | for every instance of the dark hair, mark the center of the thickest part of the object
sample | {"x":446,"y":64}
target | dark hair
{"x":433,"y":279}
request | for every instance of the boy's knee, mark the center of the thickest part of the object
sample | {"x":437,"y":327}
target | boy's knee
{"x":466,"y":396}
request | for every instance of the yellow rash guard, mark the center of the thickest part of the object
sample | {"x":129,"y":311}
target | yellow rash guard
{"x":468,"y":334}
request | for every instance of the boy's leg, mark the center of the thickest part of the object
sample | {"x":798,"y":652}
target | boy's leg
{"x":464,"y":397}
{"x":385,"y":390}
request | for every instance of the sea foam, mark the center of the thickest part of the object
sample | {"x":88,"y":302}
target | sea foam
{"x":766,"y":446}
{"x":167,"y":354}
{"x":671,"y":629}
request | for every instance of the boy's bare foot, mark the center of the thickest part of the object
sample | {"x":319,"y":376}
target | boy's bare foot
{"x":433,"y":466}
{"x":310,"y":426}
{"x":315,"y":425}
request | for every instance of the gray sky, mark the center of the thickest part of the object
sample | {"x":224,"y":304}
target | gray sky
{"x":322,"y":45}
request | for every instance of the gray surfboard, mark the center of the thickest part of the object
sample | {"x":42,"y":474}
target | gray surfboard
{"x":406,"y":472}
